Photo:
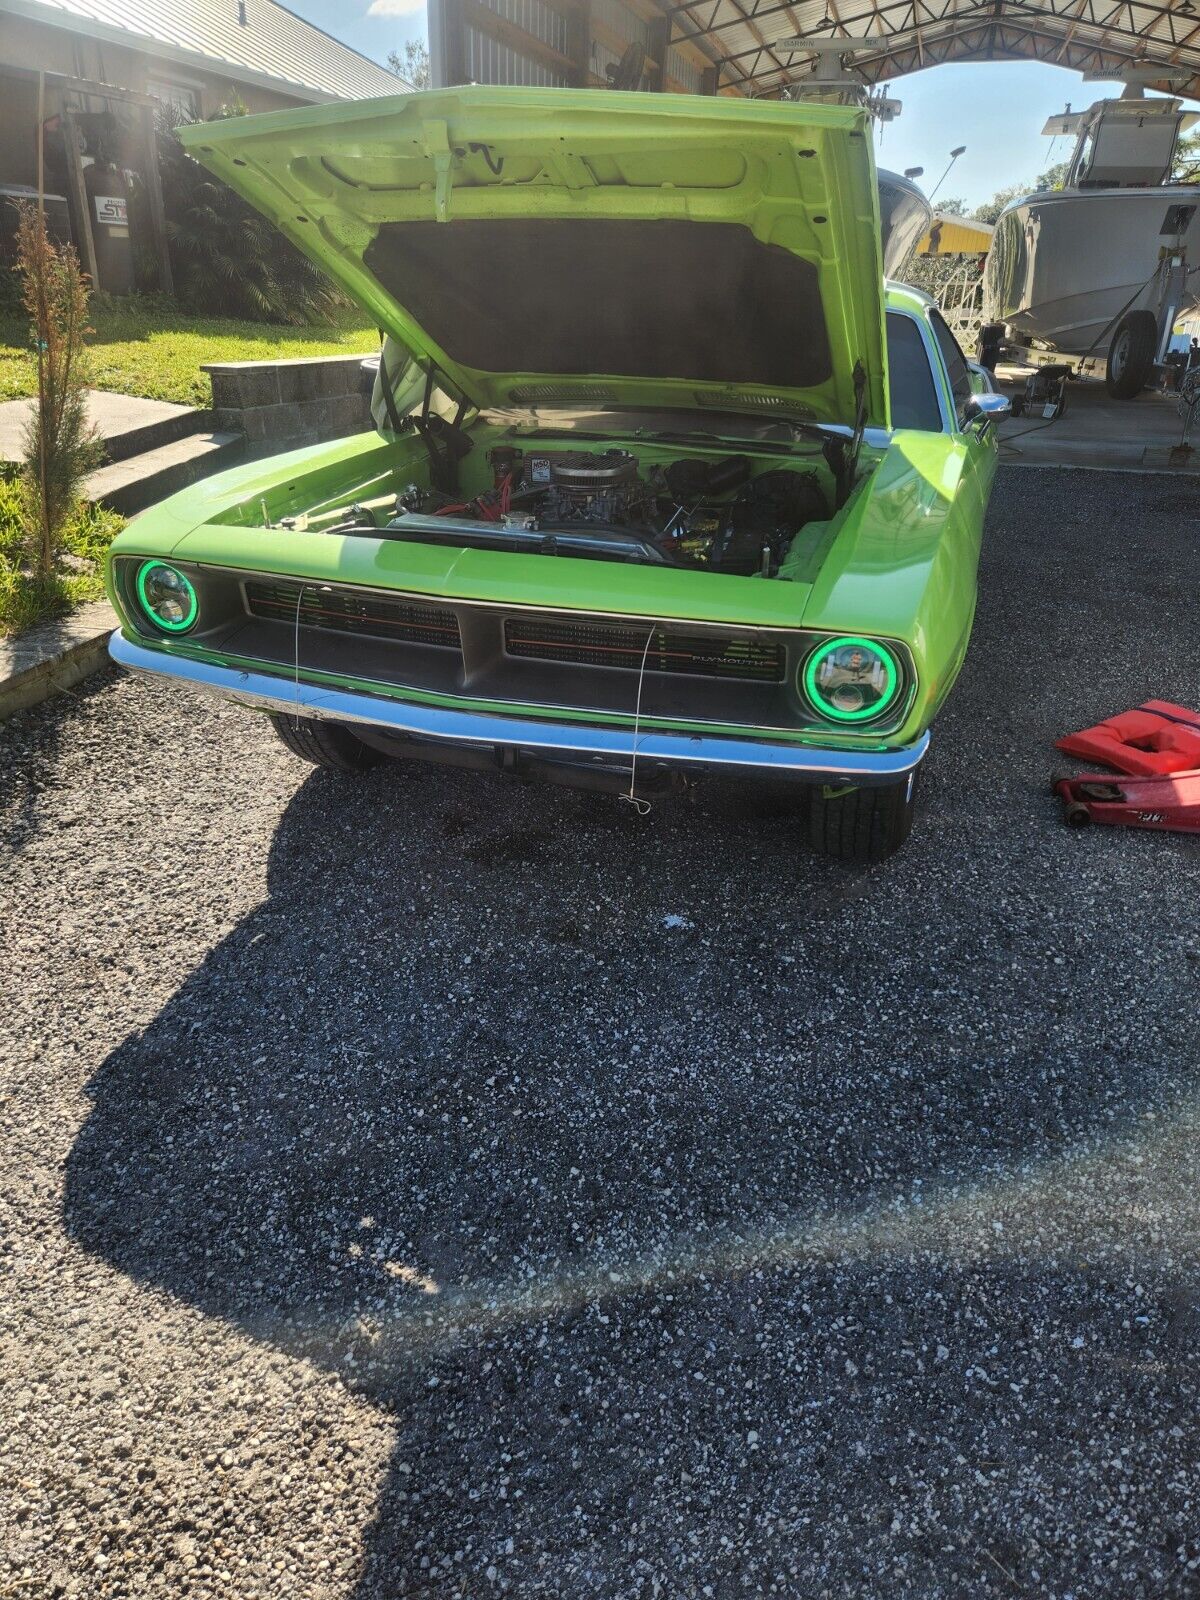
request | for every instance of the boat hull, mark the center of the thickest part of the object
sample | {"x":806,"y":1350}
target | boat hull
{"x":904,"y":216}
{"x":1065,"y":266}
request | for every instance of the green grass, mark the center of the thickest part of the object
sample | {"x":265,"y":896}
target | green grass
{"x":144,"y":347}
{"x":24,"y":601}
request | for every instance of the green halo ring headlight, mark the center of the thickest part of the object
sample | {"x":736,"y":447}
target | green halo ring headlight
{"x":167,"y":596}
{"x":850,"y":679}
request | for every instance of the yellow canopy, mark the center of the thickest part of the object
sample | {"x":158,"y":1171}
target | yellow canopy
{"x":955,"y":236}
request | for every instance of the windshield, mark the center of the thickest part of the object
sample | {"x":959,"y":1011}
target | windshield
{"x":914,"y":394}
{"x":638,"y":422}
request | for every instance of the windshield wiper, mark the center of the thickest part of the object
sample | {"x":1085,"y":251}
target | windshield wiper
{"x":811,"y":430}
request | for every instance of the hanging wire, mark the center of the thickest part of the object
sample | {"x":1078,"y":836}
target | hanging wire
{"x":642,"y":807}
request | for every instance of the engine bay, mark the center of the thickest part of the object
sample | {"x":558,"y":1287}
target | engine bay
{"x":729,"y":515}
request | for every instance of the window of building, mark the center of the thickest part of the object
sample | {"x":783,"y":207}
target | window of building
{"x":181,"y":98}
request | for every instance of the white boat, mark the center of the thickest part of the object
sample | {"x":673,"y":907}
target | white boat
{"x":1077,"y":270}
{"x":905,"y":216}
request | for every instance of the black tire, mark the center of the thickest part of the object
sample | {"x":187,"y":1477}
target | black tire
{"x":325,"y":744}
{"x":991,"y":337}
{"x":1131,"y":355}
{"x":862,"y":824}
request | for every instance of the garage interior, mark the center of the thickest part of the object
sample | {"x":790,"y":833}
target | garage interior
{"x":769,"y":48}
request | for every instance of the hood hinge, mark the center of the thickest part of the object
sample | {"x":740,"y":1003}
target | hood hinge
{"x":860,"y":424}
{"x":860,"y":410}
{"x":445,"y":442}
{"x":842,"y":453}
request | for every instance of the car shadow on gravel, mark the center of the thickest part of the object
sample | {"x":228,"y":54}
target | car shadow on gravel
{"x":32,"y":750}
{"x":705,"y":1217}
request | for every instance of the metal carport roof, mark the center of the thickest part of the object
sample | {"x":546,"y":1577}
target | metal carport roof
{"x":1097,"y":36}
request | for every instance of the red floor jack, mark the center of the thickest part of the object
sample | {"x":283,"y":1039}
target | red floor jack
{"x":1172,"y":802}
{"x":1156,"y":749}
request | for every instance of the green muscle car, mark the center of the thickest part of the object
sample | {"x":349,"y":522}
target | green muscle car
{"x":665,"y":481}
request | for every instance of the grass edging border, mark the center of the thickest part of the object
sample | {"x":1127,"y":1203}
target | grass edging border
{"x":53,"y":655}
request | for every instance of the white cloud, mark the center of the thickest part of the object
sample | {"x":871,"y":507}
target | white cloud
{"x":394,"y":8}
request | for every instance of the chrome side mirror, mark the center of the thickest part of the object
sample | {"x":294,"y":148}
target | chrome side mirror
{"x":984,"y":409}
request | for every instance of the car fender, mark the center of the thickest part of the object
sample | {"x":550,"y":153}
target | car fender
{"x":903,"y":564}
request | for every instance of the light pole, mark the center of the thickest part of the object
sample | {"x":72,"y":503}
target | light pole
{"x":954,"y":155}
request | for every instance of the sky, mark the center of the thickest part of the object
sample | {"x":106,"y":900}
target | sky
{"x":997,"y":109}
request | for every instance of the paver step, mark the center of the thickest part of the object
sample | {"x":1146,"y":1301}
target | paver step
{"x":136,"y":440}
{"x":138,"y":481}
{"x":126,"y":424}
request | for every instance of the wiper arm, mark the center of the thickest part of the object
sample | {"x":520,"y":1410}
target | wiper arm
{"x":676,"y":435}
{"x":810,"y":430}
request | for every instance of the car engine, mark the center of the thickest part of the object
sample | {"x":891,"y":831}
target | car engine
{"x":598,"y":505}
{"x":584,"y":487}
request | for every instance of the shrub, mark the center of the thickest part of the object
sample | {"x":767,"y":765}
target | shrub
{"x":26,"y":599}
{"x":226,"y":259}
{"x":60,"y":445}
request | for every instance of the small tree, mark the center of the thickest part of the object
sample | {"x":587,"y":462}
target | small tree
{"x":61,"y":447}
{"x":412,"y":66}
{"x":1053,"y":178}
{"x":991,"y":209}
{"x":1187,"y":159}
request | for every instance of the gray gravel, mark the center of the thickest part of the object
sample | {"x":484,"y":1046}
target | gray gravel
{"x":427,"y":1185}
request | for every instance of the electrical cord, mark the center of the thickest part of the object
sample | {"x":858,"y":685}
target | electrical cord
{"x":1038,"y":426}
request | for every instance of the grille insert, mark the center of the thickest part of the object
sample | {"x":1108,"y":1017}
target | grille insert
{"x":339,"y":610}
{"x":705,"y":655}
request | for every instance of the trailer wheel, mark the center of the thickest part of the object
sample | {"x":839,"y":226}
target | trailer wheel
{"x":1131,"y":355}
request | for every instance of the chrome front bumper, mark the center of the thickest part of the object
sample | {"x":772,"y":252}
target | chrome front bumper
{"x":567,"y":741}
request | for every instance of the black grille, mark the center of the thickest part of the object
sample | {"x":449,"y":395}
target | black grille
{"x":347,"y":611}
{"x":705,"y":655}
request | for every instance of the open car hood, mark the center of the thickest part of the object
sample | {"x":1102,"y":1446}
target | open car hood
{"x":558,"y":247}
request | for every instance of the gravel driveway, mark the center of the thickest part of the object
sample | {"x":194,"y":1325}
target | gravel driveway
{"x":428,"y":1185}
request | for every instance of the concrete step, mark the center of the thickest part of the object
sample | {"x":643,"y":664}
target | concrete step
{"x":139,"y":481}
{"x":135,"y":440}
{"x":127,"y":424}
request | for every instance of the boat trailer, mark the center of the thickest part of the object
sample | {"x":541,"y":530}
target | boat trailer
{"x":1166,"y":295}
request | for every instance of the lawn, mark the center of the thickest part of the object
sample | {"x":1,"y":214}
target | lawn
{"x":85,"y":539}
{"x":144,"y":348}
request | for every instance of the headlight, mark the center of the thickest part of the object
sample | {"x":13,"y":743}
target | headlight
{"x":851,"y":680}
{"x":166,"y":596}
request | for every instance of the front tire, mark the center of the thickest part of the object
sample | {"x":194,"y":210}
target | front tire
{"x":863,"y":825}
{"x":325,"y":744}
{"x":1131,"y":355}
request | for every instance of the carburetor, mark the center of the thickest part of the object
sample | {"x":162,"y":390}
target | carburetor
{"x":582,"y":486}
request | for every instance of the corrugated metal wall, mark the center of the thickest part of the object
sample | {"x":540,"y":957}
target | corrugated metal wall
{"x":684,"y":71}
{"x":548,"y":44}
{"x":490,"y":61}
